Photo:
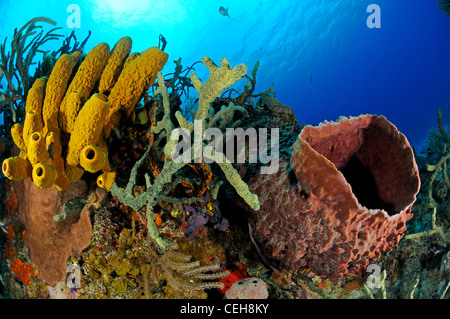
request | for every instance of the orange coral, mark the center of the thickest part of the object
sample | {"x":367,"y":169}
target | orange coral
{"x":231,"y":279}
{"x":158,"y":219}
{"x":22,"y":270}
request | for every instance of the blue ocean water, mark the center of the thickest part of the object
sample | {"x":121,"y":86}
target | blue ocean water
{"x":321,"y":56}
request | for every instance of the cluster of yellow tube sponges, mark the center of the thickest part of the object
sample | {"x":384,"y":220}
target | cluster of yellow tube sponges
{"x":66,"y":124}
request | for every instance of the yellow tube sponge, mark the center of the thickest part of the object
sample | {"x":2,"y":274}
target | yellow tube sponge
{"x":73,"y":104}
{"x":131,"y":58}
{"x":83,"y":82}
{"x":114,"y":65}
{"x":92,"y":158}
{"x":40,"y":83}
{"x":44,"y":175}
{"x":53,"y":145}
{"x":88,"y":127}
{"x":101,"y":144}
{"x":37,"y":151}
{"x":16,"y":168}
{"x":90,"y":70}
{"x":73,"y":173}
{"x":35,"y":102}
{"x":17,"y":136}
{"x":32,"y":123}
{"x":23,"y":154}
{"x":54,"y":92}
{"x":35,"y":99}
{"x":141,"y":72}
{"x":106,"y":179}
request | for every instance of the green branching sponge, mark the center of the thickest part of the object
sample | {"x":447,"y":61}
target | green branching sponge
{"x":239,"y":185}
{"x":220,"y":79}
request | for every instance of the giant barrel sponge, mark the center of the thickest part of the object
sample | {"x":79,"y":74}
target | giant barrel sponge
{"x":342,"y":198}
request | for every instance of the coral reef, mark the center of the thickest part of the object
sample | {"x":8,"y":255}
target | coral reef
{"x":99,"y":203}
{"x":224,"y":78}
{"x":63,"y":136}
{"x":112,"y":266}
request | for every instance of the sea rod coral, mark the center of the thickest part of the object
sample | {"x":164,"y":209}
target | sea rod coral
{"x":16,"y":63}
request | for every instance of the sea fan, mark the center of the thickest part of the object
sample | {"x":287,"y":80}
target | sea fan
{"x":444,"y":5}
{"x":184,"y":276}
{"x":438,"y":139}
{"x":436,"y":143}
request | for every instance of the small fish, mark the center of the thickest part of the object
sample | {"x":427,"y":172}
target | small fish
{"x":310,"y":77}
{"x":224,"y":12}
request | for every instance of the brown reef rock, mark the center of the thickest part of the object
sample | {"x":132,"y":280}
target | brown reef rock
{"x":343,"y":197}
{"x":50,"y":242}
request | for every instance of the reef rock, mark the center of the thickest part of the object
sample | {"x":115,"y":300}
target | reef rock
{"x":51,"y":242}
{"x":248,"y":288}
{"x":342,"y":198}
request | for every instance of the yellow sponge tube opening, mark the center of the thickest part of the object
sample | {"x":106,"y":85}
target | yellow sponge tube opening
{"x":106,"y":179}
{"x":92,"y":158}
{"x":16,"y":168}
{"x":44,"y":175}
{"x":36,"y":149}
